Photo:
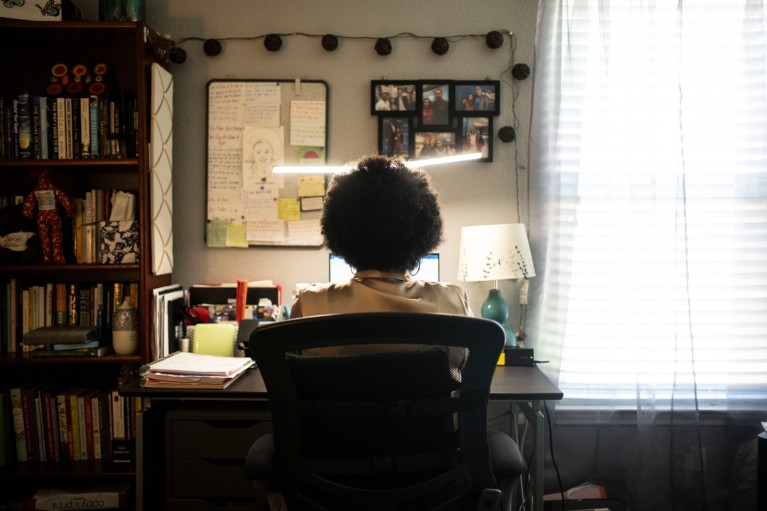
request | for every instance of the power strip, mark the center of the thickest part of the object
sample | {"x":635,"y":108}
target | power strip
{"x":519,"y":357}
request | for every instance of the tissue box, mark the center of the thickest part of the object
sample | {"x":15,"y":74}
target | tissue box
{"x":119,"y":242}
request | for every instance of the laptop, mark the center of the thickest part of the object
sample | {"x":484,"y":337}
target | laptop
{"x":340,"y":271}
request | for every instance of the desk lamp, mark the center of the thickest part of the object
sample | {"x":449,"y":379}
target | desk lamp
{"x":496,"y":252}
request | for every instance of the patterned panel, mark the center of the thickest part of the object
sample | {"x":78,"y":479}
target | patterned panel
{"x":162,"y":171}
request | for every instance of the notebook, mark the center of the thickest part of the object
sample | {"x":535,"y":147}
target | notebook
{"x":340,"y":271}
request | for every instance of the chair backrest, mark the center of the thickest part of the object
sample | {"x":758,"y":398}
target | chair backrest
{"x":380,"y":411}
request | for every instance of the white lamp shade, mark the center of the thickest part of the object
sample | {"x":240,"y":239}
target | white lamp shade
{"x":495,"y":252}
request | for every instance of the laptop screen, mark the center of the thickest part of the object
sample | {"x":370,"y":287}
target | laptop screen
{"x":340,"y":271}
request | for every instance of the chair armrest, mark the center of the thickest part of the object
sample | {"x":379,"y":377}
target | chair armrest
{"x":505,"y":457}
{"x":259,"y":463}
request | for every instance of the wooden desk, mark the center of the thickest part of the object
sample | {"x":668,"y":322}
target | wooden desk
{"x":522,"y":387}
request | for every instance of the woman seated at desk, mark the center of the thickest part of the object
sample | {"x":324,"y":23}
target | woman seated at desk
{"x":381,"y":217}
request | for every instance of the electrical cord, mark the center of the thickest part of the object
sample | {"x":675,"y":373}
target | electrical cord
{"x":553,"y":459}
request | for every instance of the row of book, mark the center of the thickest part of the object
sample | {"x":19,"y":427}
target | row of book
{"x":51,"y":424}
{"x":83,"y":237}
{"x":24,"y":308}
{"x":39,"y":127}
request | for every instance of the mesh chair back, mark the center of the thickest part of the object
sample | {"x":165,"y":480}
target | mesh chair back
{"x":380,"y":411}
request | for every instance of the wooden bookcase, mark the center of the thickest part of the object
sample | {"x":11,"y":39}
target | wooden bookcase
{"x":31,"y":51}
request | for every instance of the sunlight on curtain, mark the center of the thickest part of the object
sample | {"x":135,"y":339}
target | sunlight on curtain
{"x":649,"y":204}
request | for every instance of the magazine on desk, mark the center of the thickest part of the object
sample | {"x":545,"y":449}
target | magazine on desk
{"x":193,"y":370}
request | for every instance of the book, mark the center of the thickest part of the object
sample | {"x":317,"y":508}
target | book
{"x":110,"y":495}
{"x":39,"y":409}
{"x":131,"y":125}
{"x":61,"y":408}
{"x":24,"y":125}
{"x":85,"y":128}
{"x":14,"y":154}
{"x":69,"y":137}
{"x":82,"y":352}
{"x":53,"y":108}
{"x":35,"y":123}
{"x":93,"y":113}
{"x":61,"y":126}
{"x":73,"y":424}
{"x":95,"y":424}
{"x":83,"y":425}
{"x":61,"y":304}
{"x":4,"y":344}
{"x":105,"y":427}
{"x":30,"y":423}
{"x":76,"y":129}
{"x":84,"y":304}
{"x":13,"y":323}
{"x":8,"y":129}
{"x":44,"y":128}
{"x":117,"y":417}
{"x":2,"y":128}
{"x":50,"y":414}
{"x":19,"y":428}
{"x":7,"y":438}
{"x":50,"y":335}
{"x":77,"y":346}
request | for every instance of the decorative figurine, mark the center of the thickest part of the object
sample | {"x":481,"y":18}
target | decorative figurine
{"x":46,"y":196}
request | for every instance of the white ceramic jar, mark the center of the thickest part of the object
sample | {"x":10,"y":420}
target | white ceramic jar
{"x":125,"y":329}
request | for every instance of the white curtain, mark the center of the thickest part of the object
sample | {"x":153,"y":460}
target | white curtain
{"x":648,"y":221}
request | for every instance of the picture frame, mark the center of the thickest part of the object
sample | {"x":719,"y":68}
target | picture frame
{"x":434,"y":104}
{"x":476,"y":135}
{"x":393,"y":97}
{"x":477,"y":98}
{"x":395,"y":136}
{"x":434,"y":144}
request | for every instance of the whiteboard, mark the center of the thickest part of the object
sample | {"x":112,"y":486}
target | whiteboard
{"x":253,"y":125}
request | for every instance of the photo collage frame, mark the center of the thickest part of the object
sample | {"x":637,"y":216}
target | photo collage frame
{"x":420,"y":119}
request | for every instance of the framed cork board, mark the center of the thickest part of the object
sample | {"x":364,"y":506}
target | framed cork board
{"x":253,"y":125}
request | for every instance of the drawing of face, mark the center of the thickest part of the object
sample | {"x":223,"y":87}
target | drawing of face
{"x":263,"y":155}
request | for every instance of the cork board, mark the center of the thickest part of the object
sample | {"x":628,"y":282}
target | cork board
{"x":253,"y":125}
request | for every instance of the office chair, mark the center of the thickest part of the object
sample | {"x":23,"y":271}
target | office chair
{"x":381,"y":411}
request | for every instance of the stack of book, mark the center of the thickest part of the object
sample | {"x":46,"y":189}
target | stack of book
{"x":193,"y":370}
{"x":80,"y":341}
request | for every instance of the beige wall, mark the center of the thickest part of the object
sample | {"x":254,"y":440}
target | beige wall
{"x":476,"y":193}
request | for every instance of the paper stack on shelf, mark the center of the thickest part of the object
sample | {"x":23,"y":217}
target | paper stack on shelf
{"x":183,"y":370}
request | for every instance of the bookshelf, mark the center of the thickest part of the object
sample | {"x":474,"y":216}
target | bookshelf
{"x":128,"y":49}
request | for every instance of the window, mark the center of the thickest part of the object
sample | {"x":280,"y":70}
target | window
{"x":649,"y":193}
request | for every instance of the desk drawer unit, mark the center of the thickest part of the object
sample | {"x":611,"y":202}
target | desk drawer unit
{"x":205,"y":453}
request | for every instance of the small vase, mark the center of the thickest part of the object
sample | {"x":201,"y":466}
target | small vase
{"x":496,"y":308}
{"x":125,"y":329}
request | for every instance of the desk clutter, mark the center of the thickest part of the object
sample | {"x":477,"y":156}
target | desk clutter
{"x":212,"y":319}
{"x":182,"y":370}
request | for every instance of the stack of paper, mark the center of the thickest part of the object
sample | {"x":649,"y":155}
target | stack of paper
{"x":181,"y":370}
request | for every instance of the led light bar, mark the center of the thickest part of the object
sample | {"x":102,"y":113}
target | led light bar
{"x":332,"y":169}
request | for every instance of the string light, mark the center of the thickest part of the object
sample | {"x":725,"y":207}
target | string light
{"x":440,"y":45}
{"x":212,"y":47}
{"x":330,"y":42}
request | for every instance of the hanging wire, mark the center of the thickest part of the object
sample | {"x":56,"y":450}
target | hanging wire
{"x":452,"y":38}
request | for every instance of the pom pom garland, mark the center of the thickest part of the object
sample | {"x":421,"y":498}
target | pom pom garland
{"x":329,"y":42}
{"x":273,"y":42}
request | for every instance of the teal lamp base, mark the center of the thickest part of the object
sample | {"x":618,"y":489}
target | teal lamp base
{"x":495,"y":308}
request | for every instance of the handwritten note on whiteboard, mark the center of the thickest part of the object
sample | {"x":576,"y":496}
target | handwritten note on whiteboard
{"x":252,"y":126}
